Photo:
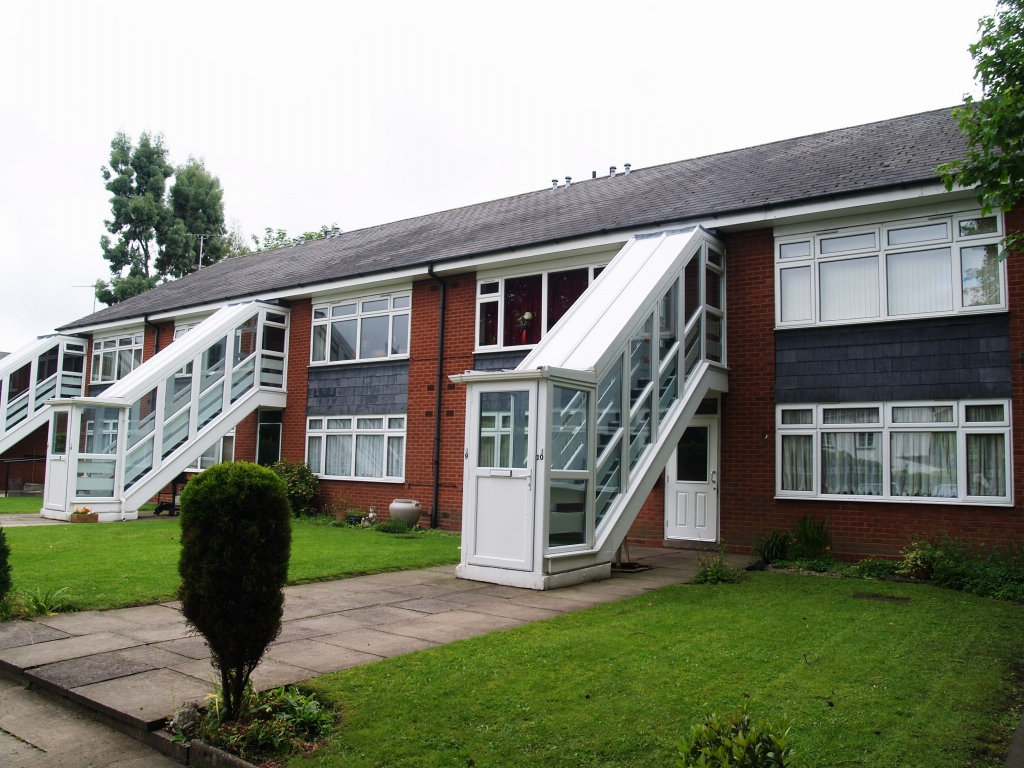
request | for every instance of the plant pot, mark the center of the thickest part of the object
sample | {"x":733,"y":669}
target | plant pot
{"x":91,"y":517}
{"x":355,"y":519}
{"x":408,"y":510}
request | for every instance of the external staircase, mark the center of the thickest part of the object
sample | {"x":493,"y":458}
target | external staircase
{"x":113,"y":452}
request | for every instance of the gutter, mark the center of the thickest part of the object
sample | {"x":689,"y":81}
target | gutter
{"x":437,"y":398}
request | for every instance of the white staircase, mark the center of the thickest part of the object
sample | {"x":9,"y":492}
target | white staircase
{"x":113,"y":452}
{"x":592,"y":415}
{"x":49,"y":367}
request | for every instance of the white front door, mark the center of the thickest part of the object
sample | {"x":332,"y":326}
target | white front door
{"x":691,"y":484}
{"x":56,"y":489}
{"x":502,"y":458}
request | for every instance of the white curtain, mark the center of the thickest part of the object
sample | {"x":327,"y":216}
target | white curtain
{"x":919,"y":282}
{"x":313,"y":453}
{"x":369,"y":455}
{"x":797,"y":463}
{"x":923,"y":464}
{"x":339,"y":456}
{"x":396,"y":456}
{"x":850,"y":416}
{"x":795,"y":287}
{"x":849,"y":288}
{"x":851,"y":463}
{"x":923,"y":414}
{"x":986,"y":465}
{"x":983,"y":413}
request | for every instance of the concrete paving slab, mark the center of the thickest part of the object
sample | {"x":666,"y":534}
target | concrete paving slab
{"x":74,"y":673}
{"x":549,"y":601}
{"x":39,"y":654}
{"x":378,"y":643}
{"x":147,"y":614}
{"x":512,"y":610}
{"x":143,"y":700}
{"x":151,"y":655}
{"x":290,"y":631}
{"x":469,"y":599}
{"x":469,"y":618}
{"x":320,"y":657}
{"x":380,"y":614}
{"x":273,"y":674}
{"x":194,"y":647}
{"x":15,"y":633}
{"x":427,"y":605}
{"x":157,"y":633}
{"x":85,"y":622}
{"x":322,"y":625}
{"x":435,"y":633}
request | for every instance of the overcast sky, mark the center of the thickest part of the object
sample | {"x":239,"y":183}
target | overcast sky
{"x":362,"y":113}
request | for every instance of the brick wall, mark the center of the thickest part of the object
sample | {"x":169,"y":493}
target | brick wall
{"x":33,"y":444}
{"x":293,"y":428}
{"x":649,"y":527}
{"x":747,"y":502}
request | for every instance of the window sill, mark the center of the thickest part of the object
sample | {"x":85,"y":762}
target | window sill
{"x":365,"y":361}
{"x":391,"y":480}
{"x":995,"y":310}
{"x":973,"y":501}
{"x":497,"y":350}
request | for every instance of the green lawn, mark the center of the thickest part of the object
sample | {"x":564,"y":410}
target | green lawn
{"x":20,"y":505}
{"x":930,"y":683}
{"x":110,"y":565}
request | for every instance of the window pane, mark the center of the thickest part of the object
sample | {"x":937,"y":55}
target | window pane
{"x":73,"y":363}
{"x":640,"y":432}
{"x":567,"y":523}
{"x":923,"y":464}
{"x":400,"y":335}
{"x":848,"y":243}
{"x":795,"y":250}
{"x":178,"y":392}
{"x":985,"y":226}
{"x":921,"y":281}
{"x":849,"y":289}
{"x":95,"y":478}
{"x":522,"y":310}
{"x":850,"y":416}
{"x":640,"y":361}
{"x":212,"y":364}
{"x":918,"y":234}
{"x":338,"y":456}
{"x":713,"y":350}
{"x":980,"y":266}
{"x":923,"y":414}
{"x":19,"y":382}
{"x":273,"y":338}
{"x":370,"y":423}
{"x":795,"y":294}
{"x":986,"y":465}
{"x":339,"y":423}
{"x":320,"y":313}
{"x":798,"y":416}
{"x":343,"y":340}
{"x":396,"y":456}
{"x":369,"y":455}
{"x":981,"y":413}
{"x":692,"y":456}
{"x":488,"y":324}
{"x":244,"y":341}
{"x":692,"y":348}
{"x":488,"y":288}
{"x":713,"y":289}
{"x":59,"y":441}
{"x":109,"y":365}
{"x":668,"y":320}
{"x":569,"y":429}
{"x":504,"y":420}
{"x":714,"y":257}
{"x":609,"y":484}
{"x":316,"y":424}
{"x":691,"y":287}
{"x":319,"y":343}
{"x":851,"y":463}
{"x":609,"y":406}
{"x":46,"y":365}
{"x":343,"y":310}
{"x":377,"y":305}
{"x":313,"y":457}
{"x":396,"y":423}
{"x":401,"y":302}
{"x":125,"y":360}
{"x":563,"y":290}
{"x":798,"y":462}
{"x":373,"y":337}
{"x":668,"y":387}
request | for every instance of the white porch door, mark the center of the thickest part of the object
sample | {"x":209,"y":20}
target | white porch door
{"x":502,"y":455}
{"x":691,"y":484}
{"x":56,"y":488}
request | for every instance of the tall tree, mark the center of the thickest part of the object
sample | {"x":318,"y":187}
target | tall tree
{"x":994,"y":125}
{"x":197,"y":205}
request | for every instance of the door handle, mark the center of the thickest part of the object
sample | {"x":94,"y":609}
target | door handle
{"x":714,"y":479}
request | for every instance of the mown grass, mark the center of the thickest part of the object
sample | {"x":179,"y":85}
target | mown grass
{"x":930,"y":683}
{"x":20,"y":505}
{"x":111,"y":565}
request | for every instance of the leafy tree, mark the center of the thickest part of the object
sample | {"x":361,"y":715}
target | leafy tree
{"x":197,"y":205}
{"x":278,"y":238}
{"x":236,"y":243}
{"x":235,"y":546}
{"x":994,"y":125}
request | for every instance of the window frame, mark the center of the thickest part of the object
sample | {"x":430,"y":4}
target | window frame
{"x":882,"y":250}
{"x":391,"y":312}
{"x":387,"y":431}
{"x":138,"y":340}
{"x":886,"y":426}
{"x":499,"y":296}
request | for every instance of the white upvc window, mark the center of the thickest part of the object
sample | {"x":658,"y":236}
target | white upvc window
{"x":370,"y":447}
{"x":114,"y":357}
{"x":362,"y":328}
{"x":518,"y":311}
{"x":918,"y":451}
{"x":924,"y":267}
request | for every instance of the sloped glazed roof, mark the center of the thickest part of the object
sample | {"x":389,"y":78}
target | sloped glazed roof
{"x":904,"y":150}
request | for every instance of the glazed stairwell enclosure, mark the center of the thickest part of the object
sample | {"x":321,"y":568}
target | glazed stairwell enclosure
{"x":562,"y":451}
{"x":113,"y":452}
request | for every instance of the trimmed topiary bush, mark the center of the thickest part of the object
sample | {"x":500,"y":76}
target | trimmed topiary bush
{"x":5,"y":566}
{"x":235,"y":543}
{"x":301,"y":485}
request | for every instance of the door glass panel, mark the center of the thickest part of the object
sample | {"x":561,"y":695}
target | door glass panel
{"x":504,"y":421}
{"x":268,"y":448}
{"x":569,"y":429}
{"x":692,"y":456}
{"x":568,"y":513}
{"x":59,"y":441}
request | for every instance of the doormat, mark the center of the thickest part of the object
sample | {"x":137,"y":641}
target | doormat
{"x":882,"y":598}
{"x":630,"y":567}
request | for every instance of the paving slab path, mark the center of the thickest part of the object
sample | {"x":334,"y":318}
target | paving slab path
{"x":134,"y":666}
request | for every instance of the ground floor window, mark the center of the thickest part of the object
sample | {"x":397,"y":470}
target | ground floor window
{"x":370,"y":447}
{"x":956,"y":451}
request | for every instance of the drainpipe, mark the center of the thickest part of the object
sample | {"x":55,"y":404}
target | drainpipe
{"x":156,"y":332}
{"x":437,"y":399}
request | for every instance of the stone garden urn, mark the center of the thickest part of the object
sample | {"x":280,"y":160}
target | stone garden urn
{"x":408,"y":510}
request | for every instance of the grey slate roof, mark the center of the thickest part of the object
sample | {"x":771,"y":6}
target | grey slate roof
{"x":903,"y":150}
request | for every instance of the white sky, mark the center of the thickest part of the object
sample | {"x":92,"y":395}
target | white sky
{"x":362,"y":113}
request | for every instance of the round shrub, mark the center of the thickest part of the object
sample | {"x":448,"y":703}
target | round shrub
{"x":5,"y":566}
{"x":235,"y":544}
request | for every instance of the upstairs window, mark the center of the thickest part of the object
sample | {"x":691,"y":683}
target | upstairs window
{"x":115,"y":357}
{"x":914,"y":268}
{"x":366,"y":328}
